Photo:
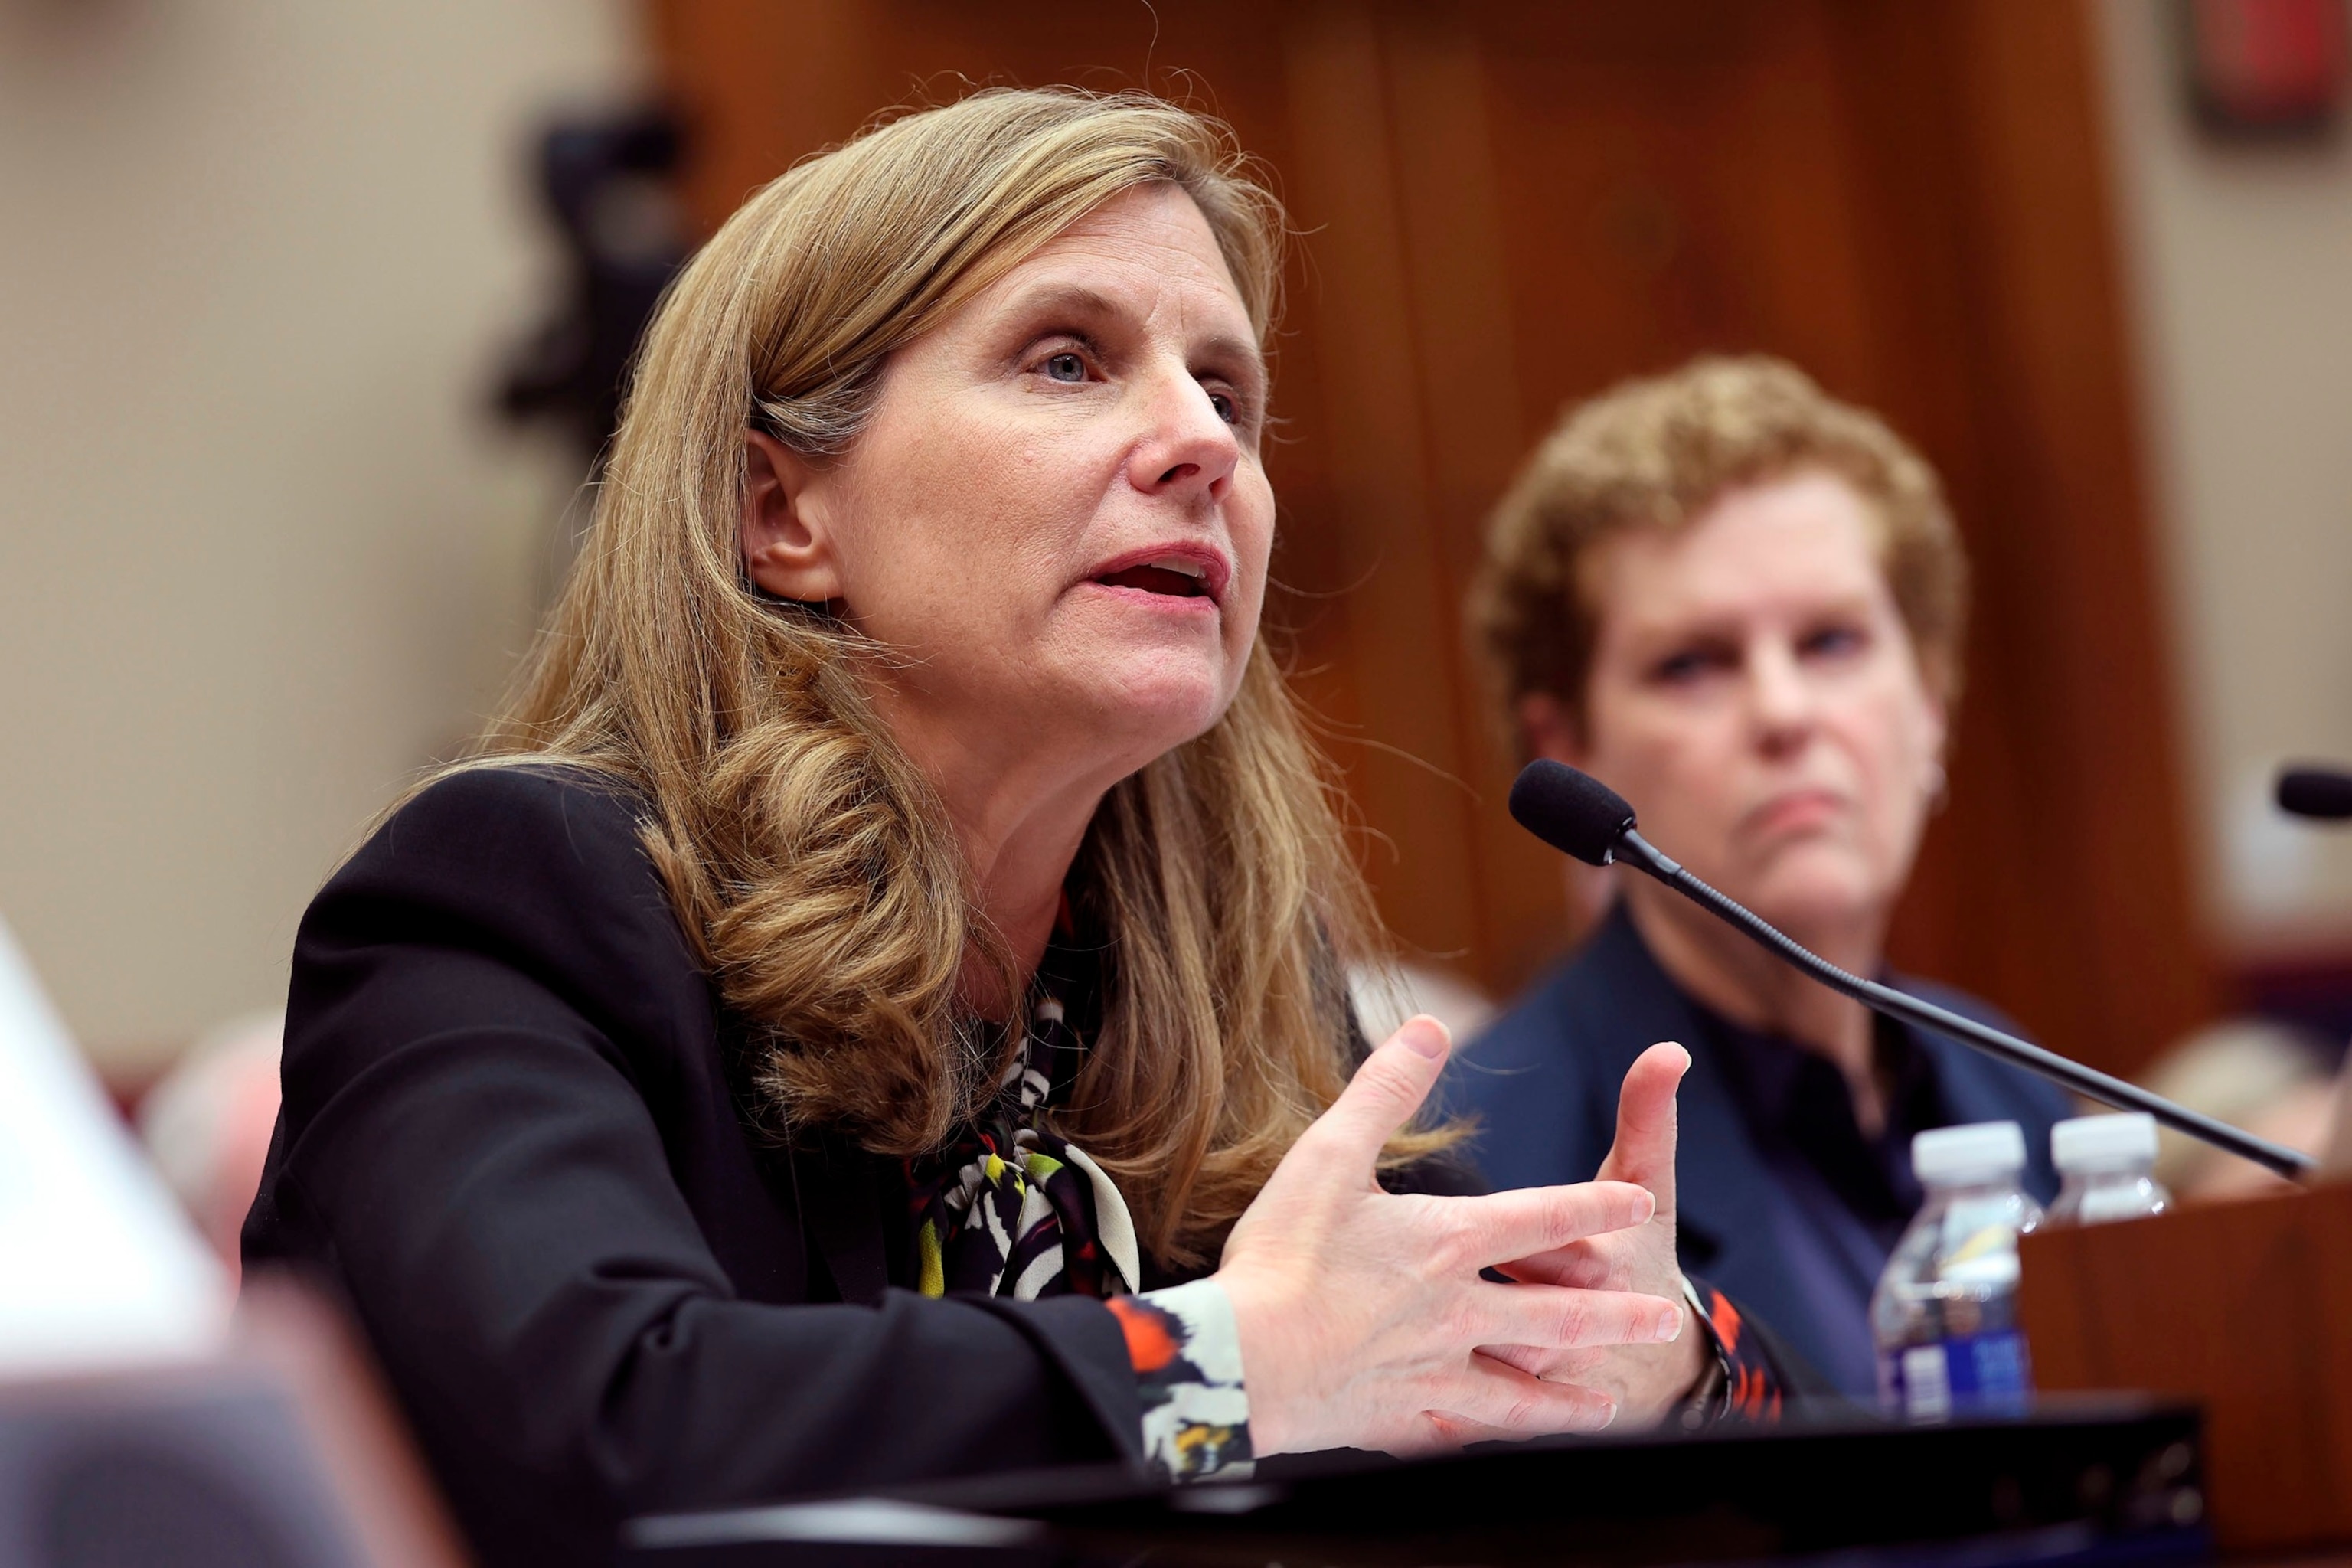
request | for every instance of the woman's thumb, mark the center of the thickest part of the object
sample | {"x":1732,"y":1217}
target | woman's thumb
{"x":1388,"y":1089}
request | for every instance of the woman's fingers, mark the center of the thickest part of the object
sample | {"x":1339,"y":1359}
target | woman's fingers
{"x":1596,"y":1263}
{"x":1551,"y":1317}
{"x":1503,"y":1227}
{"x":1492,"y":1400}
{"x":1644,"y":1150}
{"x":1386,"y":1091}
{"x":1587,"y":1369}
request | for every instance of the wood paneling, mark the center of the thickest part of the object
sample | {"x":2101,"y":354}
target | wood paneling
{"x":2240,"y":1307}
{"x":1504,"y":207}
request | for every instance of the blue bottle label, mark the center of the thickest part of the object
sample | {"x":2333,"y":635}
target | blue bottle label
{"x":1982,"y":1374}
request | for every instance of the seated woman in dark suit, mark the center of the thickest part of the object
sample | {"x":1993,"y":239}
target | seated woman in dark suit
{"x":874,"y":1010}
{"x":1741,"y":603}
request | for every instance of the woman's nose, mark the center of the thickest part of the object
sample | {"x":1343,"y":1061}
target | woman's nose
{"x":1778,"y":694}
{"x":1186,"y":445}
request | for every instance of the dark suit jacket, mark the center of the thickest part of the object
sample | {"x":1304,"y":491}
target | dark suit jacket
{"x":1543,"y":1079}
{"x":509,"y":1137}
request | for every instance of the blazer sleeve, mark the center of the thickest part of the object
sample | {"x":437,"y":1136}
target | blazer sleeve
{"x":492,"y":1013}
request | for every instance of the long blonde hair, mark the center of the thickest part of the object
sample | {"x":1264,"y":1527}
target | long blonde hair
{"x":807,"y":857}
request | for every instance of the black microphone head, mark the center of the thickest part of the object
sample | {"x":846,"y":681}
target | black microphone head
{"x":1573,"y":812}
{"x":2324,"y":793}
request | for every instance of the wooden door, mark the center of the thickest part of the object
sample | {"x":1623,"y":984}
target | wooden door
{"x":1506,"y":206}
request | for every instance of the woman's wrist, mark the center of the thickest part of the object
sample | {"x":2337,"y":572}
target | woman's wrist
{"x":1703,"y":1398}
{"x":1185,"y":1345}
{"x":1709,"y":1366}
{"x":1259,"y":1355}
{"x":1740,"y":1381}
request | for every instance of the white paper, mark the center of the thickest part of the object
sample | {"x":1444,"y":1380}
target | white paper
{"x":99,"y":1267}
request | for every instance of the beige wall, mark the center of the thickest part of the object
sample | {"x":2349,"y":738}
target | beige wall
{"x":2240,"y":262}
{"x":261,"y":554}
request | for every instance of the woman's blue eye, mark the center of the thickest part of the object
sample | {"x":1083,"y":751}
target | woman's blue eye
{"x":1067,"y":367}
{"x":1833,"y":640}
{"x":1681,"y":666}
{"x":1225,"y":409}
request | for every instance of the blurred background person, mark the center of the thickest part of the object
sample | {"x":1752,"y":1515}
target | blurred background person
{"x":2274,"y":1078}
{"x":1741,"y":603}
{"x":206,"y":1124}
{"x":1386,"y":995}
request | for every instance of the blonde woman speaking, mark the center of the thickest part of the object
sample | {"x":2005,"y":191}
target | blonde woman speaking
{"x":873,"y":1009}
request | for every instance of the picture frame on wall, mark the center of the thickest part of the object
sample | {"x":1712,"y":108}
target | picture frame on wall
{"x":2265,"y":70}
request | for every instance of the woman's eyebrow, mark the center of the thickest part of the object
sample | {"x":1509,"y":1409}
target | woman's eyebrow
{"x":1242,"y":354}
{"x":1646,"y":636}
{"x":1063,"y":299}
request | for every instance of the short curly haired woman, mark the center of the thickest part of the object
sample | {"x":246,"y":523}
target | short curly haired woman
{"x":1740,"y":602}
{"x":874,"y":1009}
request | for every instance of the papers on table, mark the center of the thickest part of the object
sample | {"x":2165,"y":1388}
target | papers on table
{"x":99,"y":1267}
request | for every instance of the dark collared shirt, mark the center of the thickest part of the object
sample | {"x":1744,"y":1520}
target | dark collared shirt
{"x":1838,"y":1199}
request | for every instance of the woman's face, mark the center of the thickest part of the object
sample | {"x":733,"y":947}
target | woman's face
{"x":1056,"y":513}
{"x":1755,"y":694}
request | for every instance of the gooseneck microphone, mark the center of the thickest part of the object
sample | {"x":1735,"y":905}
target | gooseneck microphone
{"x":1577,"y":814}
{"x":2322,"y":793}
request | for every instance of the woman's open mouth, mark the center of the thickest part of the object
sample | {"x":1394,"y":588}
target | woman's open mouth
{"x":1175,"y":578}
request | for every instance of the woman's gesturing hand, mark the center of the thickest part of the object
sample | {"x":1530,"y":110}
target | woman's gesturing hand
{"x":1361,"y":1313}
{"x":1646,"y":1381}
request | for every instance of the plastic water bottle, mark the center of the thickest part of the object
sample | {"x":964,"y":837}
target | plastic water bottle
{"x":1945,"y":1312}
{"x":2107,"y":1170}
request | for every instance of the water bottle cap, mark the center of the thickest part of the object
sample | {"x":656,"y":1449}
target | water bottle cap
{"x":2088,"y":1141}
{"x":1980,"y":1148}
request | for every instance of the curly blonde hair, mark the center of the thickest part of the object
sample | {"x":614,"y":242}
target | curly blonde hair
{"x":806,"y":856}
{"x":1655,"y":453}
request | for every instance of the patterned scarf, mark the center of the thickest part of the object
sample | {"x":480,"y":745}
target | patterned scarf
{"x":1008,"y":1207}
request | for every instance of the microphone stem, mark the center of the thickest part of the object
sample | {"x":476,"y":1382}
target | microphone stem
{"x":2092,"y":1084}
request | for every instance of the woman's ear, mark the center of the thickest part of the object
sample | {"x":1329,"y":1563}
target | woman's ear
{"x":1933,"y":723}
{"x":1939,"y":738}
{"x":788,"y":544}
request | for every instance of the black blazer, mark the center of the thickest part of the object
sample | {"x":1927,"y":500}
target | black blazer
{"x":1543,"y":1079}
{"x":509,"y":1137}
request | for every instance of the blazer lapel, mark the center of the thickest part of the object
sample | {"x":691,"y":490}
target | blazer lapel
{"x":1718,"y":1174}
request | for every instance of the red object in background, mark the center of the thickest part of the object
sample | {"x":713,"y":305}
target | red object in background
{"x":2267,"y":66}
